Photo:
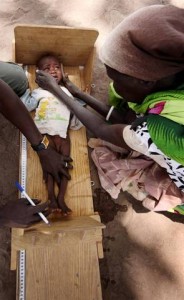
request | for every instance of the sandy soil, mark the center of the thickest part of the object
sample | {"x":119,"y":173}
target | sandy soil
{"x":143,"y":251}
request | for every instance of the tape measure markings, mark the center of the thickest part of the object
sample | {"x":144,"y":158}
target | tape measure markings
{"x":23,"y":169}
{"x":22,"y":253}
{"x":22,"y":274}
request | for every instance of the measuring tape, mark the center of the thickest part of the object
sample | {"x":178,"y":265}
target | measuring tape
{"x":22,"y":275}
{"x":23,"y":163}
{"x":22,"y":253}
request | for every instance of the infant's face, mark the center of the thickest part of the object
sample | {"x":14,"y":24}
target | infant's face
{"x":52,"y":66}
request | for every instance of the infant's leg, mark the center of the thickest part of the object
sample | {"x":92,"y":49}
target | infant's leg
{"x":60,"y":198}
{"x":64,"y":150}
{"x":51,"y":195}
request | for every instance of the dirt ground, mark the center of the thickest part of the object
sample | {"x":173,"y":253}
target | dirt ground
{"x":143,"y":251}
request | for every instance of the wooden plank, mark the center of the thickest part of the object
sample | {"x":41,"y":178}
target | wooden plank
{"x":69,"y":230}
{"x":66,"y":224}
{"x":63,"y":273}
{"x":98,"y":236}
{"x":72,"y":45}
{"x":87,"y":74}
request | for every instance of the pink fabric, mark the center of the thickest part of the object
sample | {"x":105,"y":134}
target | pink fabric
{"x":157,"y":109}
{"x":140,"y":176}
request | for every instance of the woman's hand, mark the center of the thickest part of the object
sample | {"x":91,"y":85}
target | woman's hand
{"x":73,"y":89}
{"x":46,"y":81}
{"x":54,"y":164}
{"x":19,"y":213}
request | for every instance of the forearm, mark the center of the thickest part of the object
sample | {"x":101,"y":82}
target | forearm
{"x":94,"y":123}
{"x":97,"y":105}
{"x":15,"y":111}
{"x":101,"y":108}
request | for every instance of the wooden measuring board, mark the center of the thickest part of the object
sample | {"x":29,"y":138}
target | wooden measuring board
{"x":62,"y":260}
{"x":79,"y":194}
{"x":74,"y":276}
{"x":70,"y":229}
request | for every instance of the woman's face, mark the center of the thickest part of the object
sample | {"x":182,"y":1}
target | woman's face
{"x":131,"y":89}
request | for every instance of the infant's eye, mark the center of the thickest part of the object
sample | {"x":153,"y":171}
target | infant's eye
{"x":57,"y":67}
{"x":46,"y":69}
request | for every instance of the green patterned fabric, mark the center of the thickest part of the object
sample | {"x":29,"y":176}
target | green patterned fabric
{"x":115,"y":99}
{"x":166,"y":129}
{"x":179,"y":209}
{"x":173,"y":108}
{"x":168,"y":136}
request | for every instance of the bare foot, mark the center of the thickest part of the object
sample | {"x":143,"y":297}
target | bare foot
{"x":53,"y":206}
{"x":65,"y":210}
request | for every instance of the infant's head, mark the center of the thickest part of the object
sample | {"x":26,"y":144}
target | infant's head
{"x":50,"y":64}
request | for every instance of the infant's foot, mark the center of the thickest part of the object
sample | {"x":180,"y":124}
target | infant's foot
{"x":64,"y":209}
{"x":53,"y":206}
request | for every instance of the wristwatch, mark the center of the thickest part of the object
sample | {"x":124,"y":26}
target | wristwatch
{"x":42,"y":145}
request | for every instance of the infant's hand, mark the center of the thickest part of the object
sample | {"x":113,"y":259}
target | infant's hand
{"x":45,"y":81}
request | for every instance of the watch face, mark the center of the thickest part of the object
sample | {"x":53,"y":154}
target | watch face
{"x":45,"y":142}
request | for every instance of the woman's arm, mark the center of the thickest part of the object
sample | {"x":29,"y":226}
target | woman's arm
{"x":14,"y":110}
{"x":101,"y":108}
{"x":110,"y":133}
{"x":116,"y":117}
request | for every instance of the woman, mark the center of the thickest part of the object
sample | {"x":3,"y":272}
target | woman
{"x":144,"y":56}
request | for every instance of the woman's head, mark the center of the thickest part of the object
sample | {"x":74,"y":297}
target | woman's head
{"x":50,"y":64}
{"x":135,"y":90}
{"x":146,"y":51}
